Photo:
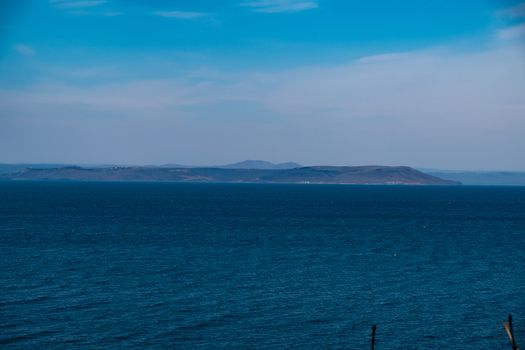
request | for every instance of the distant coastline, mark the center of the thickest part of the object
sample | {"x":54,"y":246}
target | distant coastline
{"x":362,"y":175}
{"x":465,"y":177}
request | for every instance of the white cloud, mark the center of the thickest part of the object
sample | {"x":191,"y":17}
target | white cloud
{"x":75,"y":4}
{"x":24,"y":50}
{"x":180,"y":14}
{"x":514,"y":32}
{"x":278,"y":6}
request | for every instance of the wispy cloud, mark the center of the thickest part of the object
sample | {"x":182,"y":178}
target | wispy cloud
{"x":85,"y":8}
{"x":24,"y":50}
{"x":278,"y":6}
{"x":180,"y":14}
{"x":76,"y":4}
{"x":94,"y":13}
{"x":458,"y":109}
{"x":388,"y":57}
{"x":512,"y":33}
{"x":517,"y":11}
{"x":111,"y":13}
{"x":515,"y":29}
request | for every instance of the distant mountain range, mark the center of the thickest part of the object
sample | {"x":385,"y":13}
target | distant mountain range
{"x":245,"y":164}
{"x":261,"y":164}
{"x":315,"y":175}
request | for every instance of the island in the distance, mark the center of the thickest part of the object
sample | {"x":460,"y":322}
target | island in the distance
{"x":362,"y":175}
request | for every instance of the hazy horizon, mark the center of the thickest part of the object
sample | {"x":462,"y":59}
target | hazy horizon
{"x":87,"y":165}
{"x":318,"y":82}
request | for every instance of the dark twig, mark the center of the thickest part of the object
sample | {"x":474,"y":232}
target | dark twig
{"x":510,"y":332}
{"x":373,"y":337}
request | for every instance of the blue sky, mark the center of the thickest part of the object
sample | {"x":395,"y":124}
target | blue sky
{"x":421,"y":83}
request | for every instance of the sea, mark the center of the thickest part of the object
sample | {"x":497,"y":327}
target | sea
{"x":86,"y":265}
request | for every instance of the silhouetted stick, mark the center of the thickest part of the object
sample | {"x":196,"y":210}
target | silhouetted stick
{"x":510,"y":332}
{"x":373,"y":337}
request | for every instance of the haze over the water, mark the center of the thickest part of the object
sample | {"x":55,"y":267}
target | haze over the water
{"x":434,"y":84}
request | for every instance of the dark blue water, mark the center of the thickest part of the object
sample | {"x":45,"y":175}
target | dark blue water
{"x":210,"y":266}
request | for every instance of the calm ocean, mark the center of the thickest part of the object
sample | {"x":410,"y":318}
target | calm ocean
{"x":226,"y":266}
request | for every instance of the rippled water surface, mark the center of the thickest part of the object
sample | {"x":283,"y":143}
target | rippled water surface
{"x":214,"y":266}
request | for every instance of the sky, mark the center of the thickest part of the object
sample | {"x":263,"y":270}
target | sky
{"x":429,"y":84}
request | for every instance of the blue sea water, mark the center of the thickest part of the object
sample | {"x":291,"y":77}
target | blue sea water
{"x":225,"y":266}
